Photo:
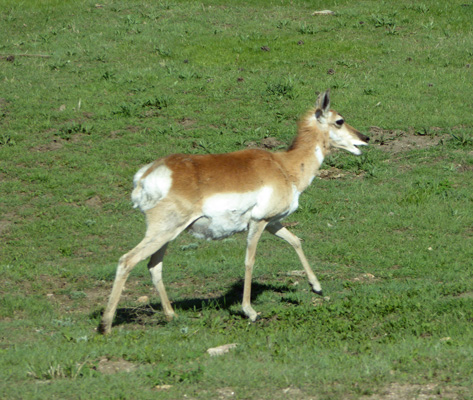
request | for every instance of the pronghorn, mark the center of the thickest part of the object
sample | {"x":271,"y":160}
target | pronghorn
{"x":216,"y":195}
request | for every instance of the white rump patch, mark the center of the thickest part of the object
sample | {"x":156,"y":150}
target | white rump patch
{"x":154,"y":187}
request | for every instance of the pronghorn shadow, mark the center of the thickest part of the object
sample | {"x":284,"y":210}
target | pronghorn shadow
{"x":233,"y":296}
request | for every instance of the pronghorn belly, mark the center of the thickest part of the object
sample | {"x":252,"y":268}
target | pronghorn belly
{"x":227,"y":213}
{"x":219,"y":227}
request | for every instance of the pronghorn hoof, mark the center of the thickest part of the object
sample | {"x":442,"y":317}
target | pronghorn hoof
{"x":171,"y":317}
{"x":250,"y":313}
{"x":319,"y":292}
{"x":255,"y":318}
{"x":104,"y":329}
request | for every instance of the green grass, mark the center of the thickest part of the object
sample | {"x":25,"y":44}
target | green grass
{"x":94,"y":91}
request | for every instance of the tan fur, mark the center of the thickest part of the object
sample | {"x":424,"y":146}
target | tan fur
{"x":216,"y":195}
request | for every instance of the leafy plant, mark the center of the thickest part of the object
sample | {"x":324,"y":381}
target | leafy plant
{"x":283,"y":89}
{"x":67,"y":131}
{"x":461,"y":138}
{"x":381,"y":21}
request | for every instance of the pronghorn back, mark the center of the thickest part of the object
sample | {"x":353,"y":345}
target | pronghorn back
{"x":216,"y":195}
{"x":223,"y":191}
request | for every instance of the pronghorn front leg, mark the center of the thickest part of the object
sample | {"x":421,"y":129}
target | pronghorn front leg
{"x":256,"y":228}
{"x":281,"y":232}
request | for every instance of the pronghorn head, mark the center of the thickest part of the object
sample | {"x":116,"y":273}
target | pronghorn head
{"x":341,"y":135}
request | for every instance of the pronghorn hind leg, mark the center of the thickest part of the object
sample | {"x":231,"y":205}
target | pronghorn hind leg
{"x":256,"y":228}
{"x":161,"y":230}
{"x":280,"y":231}
{"x":126,"y":264}
{"x":155,"y":267}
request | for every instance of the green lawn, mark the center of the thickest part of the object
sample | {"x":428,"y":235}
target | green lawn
{"x":89,"y":92}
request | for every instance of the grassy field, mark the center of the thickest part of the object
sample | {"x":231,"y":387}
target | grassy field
{"x":89,"y":92}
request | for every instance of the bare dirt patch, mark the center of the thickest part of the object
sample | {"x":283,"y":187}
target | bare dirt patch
{"x":332,"y":173}
{"x":266,"y":143}
{"x":54,"y":145}
{"x":94,"y":202}
{"x":3,"y":106}
{"x":396,"y":141}
{"x":365,"y":278}
{"x":6,"y":221}
{"x":430,"y":391}
{"x":109,"y":367}
{"x":187,"y":122}
{"x":133,"y":128}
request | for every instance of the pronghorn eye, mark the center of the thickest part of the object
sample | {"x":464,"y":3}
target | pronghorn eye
{"x":339,"y":122}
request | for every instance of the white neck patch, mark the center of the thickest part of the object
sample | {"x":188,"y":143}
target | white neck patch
{"x":319,"y":155}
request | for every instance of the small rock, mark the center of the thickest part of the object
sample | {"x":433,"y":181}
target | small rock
{"x":163,"y":387}
{"x":324,"y":12}
{"x":218,"y":351}
{"x":143,"y":299}
{"x":296,"y":273}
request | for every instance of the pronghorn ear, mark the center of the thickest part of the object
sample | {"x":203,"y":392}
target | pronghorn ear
{"x":322,"y":105}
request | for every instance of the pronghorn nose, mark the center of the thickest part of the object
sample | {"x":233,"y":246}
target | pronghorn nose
{"x":363,"y":137}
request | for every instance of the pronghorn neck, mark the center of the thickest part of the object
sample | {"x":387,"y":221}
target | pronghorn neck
{"x":307,"y":152}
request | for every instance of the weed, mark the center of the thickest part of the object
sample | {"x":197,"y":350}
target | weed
{"x":384,"y":21}
{"x":125,"y":110}
{"x":283,"y":24}
{"x":426,"y":132}
{"x":107,"y":75}
{"x":284,"y":89}
{"x":76,"y":295}
{"x":461,"y":138}
{"x":306,"y":29}
{"x":6,"y":139}
{"x":369,"y":163}
{"x":157,"y":102}
{"x":422,"y":191}
{"x":163,"y":51}
{"x":57,"y":371}
{"x":419,"y":8}
{"x":67,"y":131}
